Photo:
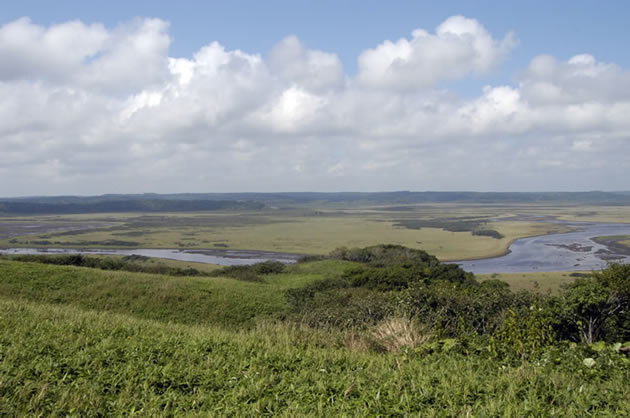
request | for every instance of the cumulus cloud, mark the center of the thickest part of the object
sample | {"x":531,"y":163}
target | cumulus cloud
{"x":30,"y":51}
{"x":316,"y":71}
{"x":85,"y":56}
{"x":89,"y":109}
{"x":581,"y":79}
{"x":460,"y":46}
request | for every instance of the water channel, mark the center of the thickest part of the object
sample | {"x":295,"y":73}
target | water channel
{"x":221,"y":257}
{"x":571,"y":251}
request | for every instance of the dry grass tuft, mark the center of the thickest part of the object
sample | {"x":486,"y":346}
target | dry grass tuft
{"x":395,"y":333}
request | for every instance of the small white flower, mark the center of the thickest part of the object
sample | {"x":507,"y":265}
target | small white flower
{"x":589,"y":362}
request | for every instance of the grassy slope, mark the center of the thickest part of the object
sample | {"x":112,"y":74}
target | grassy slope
{"x":81,"y":341}
{"x":197,"y":300}
{"x":61,"y":360}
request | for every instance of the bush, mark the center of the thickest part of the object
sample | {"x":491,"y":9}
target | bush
{"x":250,"y":272}
{"x":488,"y":233}
{"x":107,"y":263}
{"x":384,"y":255}
{"x":301,"y":298}
{"x":311,"y":258}
{"x":523,"y":335}
{"x":454,"y":309}
{"x":345,"y":308}
{"x":598,"y":308}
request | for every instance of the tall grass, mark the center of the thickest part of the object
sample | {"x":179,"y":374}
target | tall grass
{"x":58,"y":360}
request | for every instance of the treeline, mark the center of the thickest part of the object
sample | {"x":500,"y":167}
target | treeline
{"x":447,"y":302}
{"x":39,"y":207}
{"x":131,"y":263}
{"x":474,"y":225}
{"x":138,"y":264}
{"x":250,"y":272}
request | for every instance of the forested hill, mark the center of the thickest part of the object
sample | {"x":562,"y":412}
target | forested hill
{"x":151,"y":202}
{"x":79,"y":205}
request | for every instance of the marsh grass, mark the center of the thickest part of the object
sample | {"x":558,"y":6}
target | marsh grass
{"x":304,"y":231}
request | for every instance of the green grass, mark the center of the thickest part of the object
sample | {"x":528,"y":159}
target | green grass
{"x":542,"y":282}
{"x":190,"y":300}
{"x":59,"y":360}
{"x":78,"y":341}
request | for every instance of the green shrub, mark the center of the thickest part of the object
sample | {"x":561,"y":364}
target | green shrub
{"x":128,"y":263}
{"x":250,"y":272}
{"x":598,"y":307}
{"x":384,"y":255}
{"x":345,"y":308}
{"x":524,"y":334}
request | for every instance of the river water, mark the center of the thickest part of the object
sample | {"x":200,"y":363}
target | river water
{"x":221,"y":257}
{"x":571,"y":251}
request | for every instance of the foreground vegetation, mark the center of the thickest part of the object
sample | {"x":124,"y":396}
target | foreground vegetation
{"x":61,"y":360}
{"x":382,"y":330}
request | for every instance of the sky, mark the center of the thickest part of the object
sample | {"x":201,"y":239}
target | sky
{"x":144,"y":96}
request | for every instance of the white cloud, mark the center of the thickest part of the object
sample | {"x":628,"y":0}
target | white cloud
{"x":89,"y":109}
{"x":316,"y":71}
{"x":579,"y":80}
{"x":460,"y":46}
{"x":30,"y":51}
{"x":126,"y":59}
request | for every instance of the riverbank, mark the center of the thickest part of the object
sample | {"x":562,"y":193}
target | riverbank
{"x":209,"y":256}
{"x":615,"y":244}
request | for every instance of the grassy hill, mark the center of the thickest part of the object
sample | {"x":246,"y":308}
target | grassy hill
{"x":80,"y":341}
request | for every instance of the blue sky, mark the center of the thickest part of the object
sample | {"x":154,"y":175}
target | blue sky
{"x":324,"y":95}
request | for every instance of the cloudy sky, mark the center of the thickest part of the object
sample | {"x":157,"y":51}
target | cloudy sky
{"x":317,"y":96}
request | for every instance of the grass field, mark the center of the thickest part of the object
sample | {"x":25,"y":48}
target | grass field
{"x":78,"y":341}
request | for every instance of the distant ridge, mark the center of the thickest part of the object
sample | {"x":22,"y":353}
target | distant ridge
{"x":75,"y":205}
{"x":151,"y":202}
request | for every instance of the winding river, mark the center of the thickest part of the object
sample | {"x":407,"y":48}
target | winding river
{"x":571,"y":251}
{"x":221,"y":257}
